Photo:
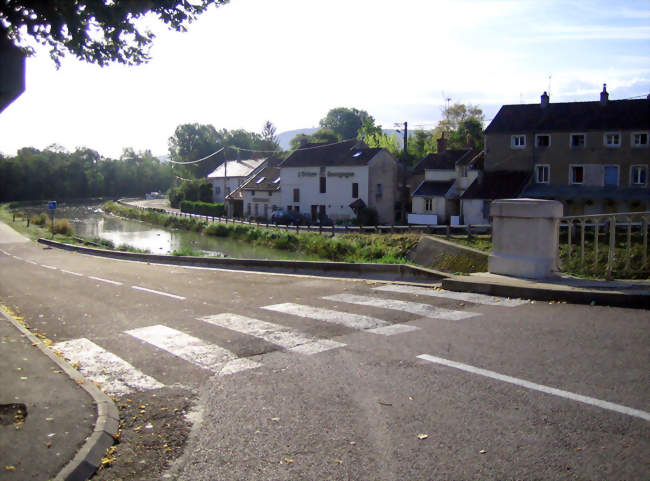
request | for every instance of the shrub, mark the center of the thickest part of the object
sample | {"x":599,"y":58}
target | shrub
{"x":61,"y":226}
{"x":40,"y":219}
{"x":202,"y":208}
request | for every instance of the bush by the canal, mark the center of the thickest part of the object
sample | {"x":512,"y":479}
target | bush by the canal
{"x":61,"y":226}
{"x":40,"y":219}
{"x":385,"y":248}
{"x":203,"y":208}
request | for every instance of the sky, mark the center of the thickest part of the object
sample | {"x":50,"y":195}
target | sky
{"x":290,"y":61}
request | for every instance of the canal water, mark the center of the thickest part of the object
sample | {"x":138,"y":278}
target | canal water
{"x":90,"y":221}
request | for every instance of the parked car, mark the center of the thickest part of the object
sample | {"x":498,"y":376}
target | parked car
{"x":288,"y":217}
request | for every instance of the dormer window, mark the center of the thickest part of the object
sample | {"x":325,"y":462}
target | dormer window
{"x":518,"y":141}
{"x":542,"y":141}
{"x":612,"y":139}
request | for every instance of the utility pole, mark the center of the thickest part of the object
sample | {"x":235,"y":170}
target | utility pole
{"x":406,"y":137}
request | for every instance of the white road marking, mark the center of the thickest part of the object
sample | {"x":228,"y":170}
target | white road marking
{"x":115,"y":283}
{"x":424,"y":310}
{"x":393,"y":329}
{"x":192,"y":349}
{"x":173,"y":296}
{"x":283,"y":336}
{"x":5,"y":252}
{"x":116,"y":376}
{"x":18,"y":258}
{"x":49,"y":267}
{"x":31,"y":262}
{"x":72,"y":273}
{"x":459,"y":296}
{"x":538,"y":387}
{"x":353,"y":321}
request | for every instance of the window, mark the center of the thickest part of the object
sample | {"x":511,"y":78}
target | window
{"x":253,"y":193}
{"x":380,"y":190}
{"x":217,"y":189}
{"x":577,"y":141}
{"x":296,"y":195}
{"x":355,"y":190}
{"x":542,"y":140}
{"x":612,"y":139}
{"x":576,"y":174}
{"x":543,"y":174}
{"x":518,"y":141}
{"x":610,"y":176}
{"x":639,"y":139}
{"x":248,"y":208}
{"x":260,"y":180}
{"x":323,"y":185}
{"x":428,"y":204}
{"x":639,"y":175}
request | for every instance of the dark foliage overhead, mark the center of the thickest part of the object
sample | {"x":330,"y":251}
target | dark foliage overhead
{"x":95,"y":31}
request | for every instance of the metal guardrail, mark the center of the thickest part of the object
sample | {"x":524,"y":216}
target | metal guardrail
{"x":584,"y":233}
{"x":448,"y":230}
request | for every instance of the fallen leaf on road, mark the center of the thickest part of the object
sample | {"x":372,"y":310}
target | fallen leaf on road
{"x":423,"y":436}
{"x":385,"y":403}
{"x":288,"y":460}
{"x":482,"y":451}
{"x":275,"y":419}
{"x":10,"y":468}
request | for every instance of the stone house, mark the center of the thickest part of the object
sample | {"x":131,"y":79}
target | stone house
{"x":334,"y":180}
{"x":591,"y":156}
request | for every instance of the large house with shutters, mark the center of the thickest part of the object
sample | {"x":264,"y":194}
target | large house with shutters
{"x":335,"y":180}
{"x":591,"y":156}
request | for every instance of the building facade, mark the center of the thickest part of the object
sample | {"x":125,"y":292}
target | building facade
{"x":591,"y":156}
{"x":230,"y":175}
{"x":330,"y":181}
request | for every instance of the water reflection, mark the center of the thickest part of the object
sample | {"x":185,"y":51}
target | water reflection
{"x":90,"y":221}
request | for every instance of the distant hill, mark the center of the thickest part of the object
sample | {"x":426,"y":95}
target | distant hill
{"x":285,"y":137}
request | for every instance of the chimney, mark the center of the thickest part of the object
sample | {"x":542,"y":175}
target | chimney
{"x":604,"y":96}
{"x":442,"y":143}
{"x":545,"y":99}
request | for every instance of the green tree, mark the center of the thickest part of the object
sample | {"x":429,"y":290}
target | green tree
{"x":344,"y":122}
{"x":324,"y":136}
{"x":192,"y":142}
{"x":369,"y":128}
{"x":95,"y":31}
{"x":299,"y":141}
{"x":383,"y":141}
{"x":470,"y":128}
{"x":453,"y":115}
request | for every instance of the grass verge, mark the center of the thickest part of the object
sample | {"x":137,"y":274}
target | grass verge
{"x":377,"y":248}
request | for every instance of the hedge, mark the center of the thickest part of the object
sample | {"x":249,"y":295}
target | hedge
{"x":202,"y":208}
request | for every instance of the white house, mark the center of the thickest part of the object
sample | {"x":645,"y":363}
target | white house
{"x":230,"y":174}
{"x":261,"y":193}
{"x":333,"y":179}
{"x":436,"y":200}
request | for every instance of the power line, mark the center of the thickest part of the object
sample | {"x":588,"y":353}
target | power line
{"x":197,"y":161}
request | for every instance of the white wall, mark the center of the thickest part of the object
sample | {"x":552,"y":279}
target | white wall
{"x":231,"y":183}
{"x":473,"y":212}
{"x":263,"y":201}
{"x":338,"y":195}
{"x":439,"y":175}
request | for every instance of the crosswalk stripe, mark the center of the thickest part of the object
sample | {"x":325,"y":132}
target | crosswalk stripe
{"x":283,"y":336}
{"x":424,"y":310}
{"x":347,"y":319}
{"x":192,"y":349}
{"x":459,"y":296}
{"x":115,"y":376}
{"x":353,"y":321}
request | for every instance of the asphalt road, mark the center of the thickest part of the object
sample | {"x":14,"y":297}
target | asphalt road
{"x":311,"y":378}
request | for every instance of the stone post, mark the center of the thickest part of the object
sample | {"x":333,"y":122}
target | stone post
{"x":525,"y":235}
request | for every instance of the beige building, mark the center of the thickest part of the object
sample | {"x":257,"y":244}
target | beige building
{"x":591,"y":156}
{"x":231,"y":174}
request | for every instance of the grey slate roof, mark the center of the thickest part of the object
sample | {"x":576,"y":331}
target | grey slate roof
{"x":572,"y":116}
{"x":351,"y":152}
{"x":497,"y":185}
{"x":433,"y":188}
{"x":444,"y":161}
{"x":264,"y":180}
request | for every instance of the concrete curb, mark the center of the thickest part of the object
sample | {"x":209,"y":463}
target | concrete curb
{"x":89,"y":457}
{"x":380,"y":272}
{"x":549,"y":292}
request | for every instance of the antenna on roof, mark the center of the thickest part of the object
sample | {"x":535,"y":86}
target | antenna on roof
{"x":549,"y":85}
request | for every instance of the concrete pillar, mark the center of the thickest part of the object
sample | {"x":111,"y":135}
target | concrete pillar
{"x":525,"y":236}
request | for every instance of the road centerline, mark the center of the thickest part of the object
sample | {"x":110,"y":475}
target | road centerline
{"x":108,"y":281}
{"x":160,"y":293}
{"x":538,"y":387}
